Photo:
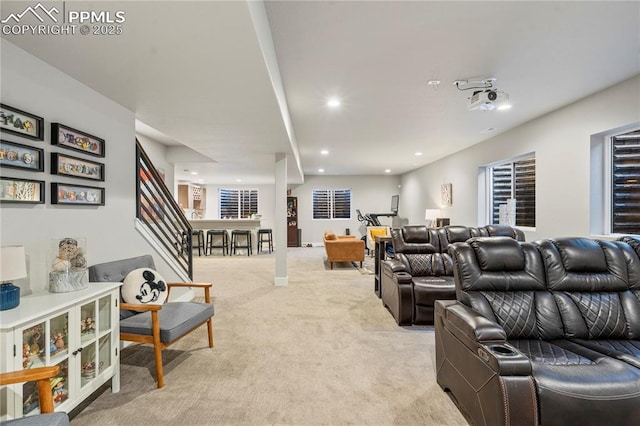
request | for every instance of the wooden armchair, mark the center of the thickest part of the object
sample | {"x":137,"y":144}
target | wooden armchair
{"x":42,"y":376}
{"x":159,"y":325}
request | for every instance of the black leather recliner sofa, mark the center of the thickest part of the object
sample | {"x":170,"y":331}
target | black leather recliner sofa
{"x":544,"y":333}
{"x":421,"y":271}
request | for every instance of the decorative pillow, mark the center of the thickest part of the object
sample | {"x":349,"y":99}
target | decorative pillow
{"x":330,"y":236}
{"x":381,"y":232}
{"x":144,"y":286}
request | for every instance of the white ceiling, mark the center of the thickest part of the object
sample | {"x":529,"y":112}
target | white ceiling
{"x":195,"y":74}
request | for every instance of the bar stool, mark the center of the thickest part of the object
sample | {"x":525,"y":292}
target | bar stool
{"x":237,"y":244}
{"x":224,"y":240}
{"x":199,"y":235}
{"x":265,"y":236}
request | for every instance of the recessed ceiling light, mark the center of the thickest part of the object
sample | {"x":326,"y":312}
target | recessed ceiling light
{"x":320,"y":170}
{"x":333,"y":102}
{"x":418,"y":154}
{"x":324,"y":152}
{"x":194,"y":173}
{"x":238,"y":180}
{"x":504,"y":107}
{"x":387,"y":171}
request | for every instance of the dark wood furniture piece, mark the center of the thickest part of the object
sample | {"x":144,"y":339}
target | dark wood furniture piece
{"x":292,"y":222}
{"x":380,"y":255}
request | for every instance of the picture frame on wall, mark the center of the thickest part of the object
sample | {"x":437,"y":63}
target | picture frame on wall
{"x":18,"y":156}
{"x":13,"y":190}
{"x":446,"y":194}
{"x":21,"y":123}
{"x":66,"y":165}
{"x":78,"y":195}
{"x":77,"y":140}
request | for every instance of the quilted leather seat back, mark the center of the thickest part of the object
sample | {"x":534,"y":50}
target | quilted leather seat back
{"x":590,"y":281}
{"x":414,"y":239}
{"x":503,"y":279}
{"x":435,"y":264}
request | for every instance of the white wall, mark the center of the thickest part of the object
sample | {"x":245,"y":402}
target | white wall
{"x":32,"y":85}
{"x":561,"y":141}
{"x":369,"y":194}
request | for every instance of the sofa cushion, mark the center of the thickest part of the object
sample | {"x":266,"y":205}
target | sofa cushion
{"x":176,"y":319}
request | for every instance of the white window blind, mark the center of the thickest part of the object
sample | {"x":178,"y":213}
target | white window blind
{"x":331,"y":203}
{"x":625,"y":183}
{"x":237,"y":203}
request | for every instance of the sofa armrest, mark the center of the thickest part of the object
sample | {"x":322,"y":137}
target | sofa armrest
{"x":483,"y":337}
{"x":394,"y":266}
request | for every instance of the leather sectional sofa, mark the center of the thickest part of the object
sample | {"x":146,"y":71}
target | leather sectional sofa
{"x":544,"y":333}
{"x":422,"y":270}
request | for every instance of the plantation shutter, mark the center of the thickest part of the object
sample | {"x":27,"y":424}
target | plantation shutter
{"x":625,"y":183}
{"x":525,"y":192}
{"x":321,"y":204}
{"x":501,"y":189}
{"x":238,"y":203}
{"x":515,"y":180}
{"x":342,"y":204}
{"x":331,"y":203}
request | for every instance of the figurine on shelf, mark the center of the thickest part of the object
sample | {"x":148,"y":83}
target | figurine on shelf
{"x":52,"y":347}
{"x":35,"y":343}
{"x":89,"y":325}
{"x":58,"y":390}
{"x":59,"y":340}
{"x":26,"y":355}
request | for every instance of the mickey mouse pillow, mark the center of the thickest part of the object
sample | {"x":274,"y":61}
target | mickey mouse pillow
{"x":144,"y":286}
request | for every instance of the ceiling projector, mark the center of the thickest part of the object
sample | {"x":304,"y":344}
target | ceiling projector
{"x":488,"y":100}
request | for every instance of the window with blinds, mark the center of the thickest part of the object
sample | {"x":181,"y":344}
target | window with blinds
{"x":237,"y":203}
{"x":514,"y":179}
{"x":331,"y":203}
{"x":625,"y":183}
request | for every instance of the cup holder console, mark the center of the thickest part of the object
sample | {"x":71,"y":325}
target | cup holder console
{"x":502,"y":350}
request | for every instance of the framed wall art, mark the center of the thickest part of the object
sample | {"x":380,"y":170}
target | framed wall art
{"x":21,"y":123}
{"x":67,"y":165}
{"x":14,"y":190}
{"x":77,"y":140}
{"x":20,"y":156}
{"x":79,"y":195}
{"x":446,"y":194}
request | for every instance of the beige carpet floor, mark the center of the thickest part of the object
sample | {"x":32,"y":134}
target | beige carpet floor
{"x":321,"y":351}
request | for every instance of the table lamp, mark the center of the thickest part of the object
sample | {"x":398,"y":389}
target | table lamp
{"x":431,"y":215}
{"x":13,"y":266}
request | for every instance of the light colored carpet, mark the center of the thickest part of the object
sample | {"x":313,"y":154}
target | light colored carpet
{"x":321,"y":351}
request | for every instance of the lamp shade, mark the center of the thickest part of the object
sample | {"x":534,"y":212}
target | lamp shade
{"x":13,"y":264}
{"x":431,"y":214}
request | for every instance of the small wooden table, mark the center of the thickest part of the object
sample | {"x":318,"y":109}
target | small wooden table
{"x":381,"y":253}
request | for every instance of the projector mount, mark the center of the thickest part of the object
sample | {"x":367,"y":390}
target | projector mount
{"x":485,"y":83}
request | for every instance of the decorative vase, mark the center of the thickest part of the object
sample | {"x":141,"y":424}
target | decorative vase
{"x":9,"y":296}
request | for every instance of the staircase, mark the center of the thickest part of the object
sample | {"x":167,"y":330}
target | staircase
{"x":159,"y":218}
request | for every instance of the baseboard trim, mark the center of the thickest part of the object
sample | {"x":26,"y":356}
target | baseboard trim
{"x":281,"y":281}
